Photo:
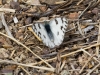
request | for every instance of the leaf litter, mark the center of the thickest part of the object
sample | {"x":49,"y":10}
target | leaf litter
{"x":22,"y":53}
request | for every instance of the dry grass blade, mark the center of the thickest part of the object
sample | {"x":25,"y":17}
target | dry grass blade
{"x":56,"y":57}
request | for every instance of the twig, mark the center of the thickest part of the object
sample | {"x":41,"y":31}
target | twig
{"x":26,"y":48}
{"x":26,"y":25}
{"x":84,"y":10}
{"x":80,"y":2}
{"x":86,"y":64}
{"x":93,"y":69}
{"x":63,"y":64}
{"x":35,"y":34}
{"x":21,"y":67}
{"x":56,"y":57}
{"x":84,"y":50}
{"x":25,"y":70}
{"x":98,"y":41}
{"x":5,"y":25}
{"x":26,"y":65}
{"x":89,"y":55}
{"x":6,"y":10}
{"x":80,"y":30}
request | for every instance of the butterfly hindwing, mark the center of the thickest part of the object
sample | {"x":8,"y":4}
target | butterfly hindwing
{"x":57,"y":26}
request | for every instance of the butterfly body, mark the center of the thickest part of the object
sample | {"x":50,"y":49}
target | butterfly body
{"x":49,"y":31}
{"x":52,"y":32}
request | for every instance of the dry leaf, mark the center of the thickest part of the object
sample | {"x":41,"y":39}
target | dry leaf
{"x":33,"y":2}
{"x":3,"y":53}
{"x":73,"y":15}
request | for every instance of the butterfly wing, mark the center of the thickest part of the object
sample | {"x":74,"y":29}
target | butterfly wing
{"x":58,"y":27}
{"x":39,"y":29}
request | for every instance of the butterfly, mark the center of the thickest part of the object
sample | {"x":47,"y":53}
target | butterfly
{"x":51,"y":32}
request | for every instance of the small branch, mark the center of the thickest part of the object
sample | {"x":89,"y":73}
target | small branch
{"x":84,"y":10}
{"x":26,"y":65}
{"x":98,"y":41}
{"x":26,"y":48}
{"x":98,"y":65}
{"x":80,"y":30}
{"x":6,"y":10}
{"x":86,"y":64}
{"x":5,"y":25}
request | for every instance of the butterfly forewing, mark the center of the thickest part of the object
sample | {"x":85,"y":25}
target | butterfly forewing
{"x":57,"y":26}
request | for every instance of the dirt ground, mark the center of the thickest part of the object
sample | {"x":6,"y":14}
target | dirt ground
{"x":24,"y":51}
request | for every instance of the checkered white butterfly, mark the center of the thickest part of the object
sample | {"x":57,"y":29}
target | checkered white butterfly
{"x":51,"y":32}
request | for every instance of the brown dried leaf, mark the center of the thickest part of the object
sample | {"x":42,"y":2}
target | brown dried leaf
{"x":3,"y":53}
{"x":15,"y":5}
{"x":51,"y":1}
{"x":42,"y":8}
{"x":73,"y":15}
{"x":33,"y":2}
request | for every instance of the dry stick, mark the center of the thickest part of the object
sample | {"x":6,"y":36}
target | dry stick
{"x":25,"y":70}
{"x":80,"y":2}
{"x":30,"y":29}
{"x":21,"y":67}
{"x":12,"y":53}
{"x":90,"y":55}
{"x":6,"y":10}
{"x":93,"y":69}
{"x":80,"y":30}
{"x":63,"y":64}
{"x":26,"y":65}
{"x":72,"y":53}
{"x":26,"y":48}
{"x":56,"y":57}
{"x":26,"y":25}
{"x":5,"y":25}
{"x":94,"y":59}
{"x":86,"y":64}
{"x":94,"y":45}
{"x":98,"y":41}
{"x":84,"y":10}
